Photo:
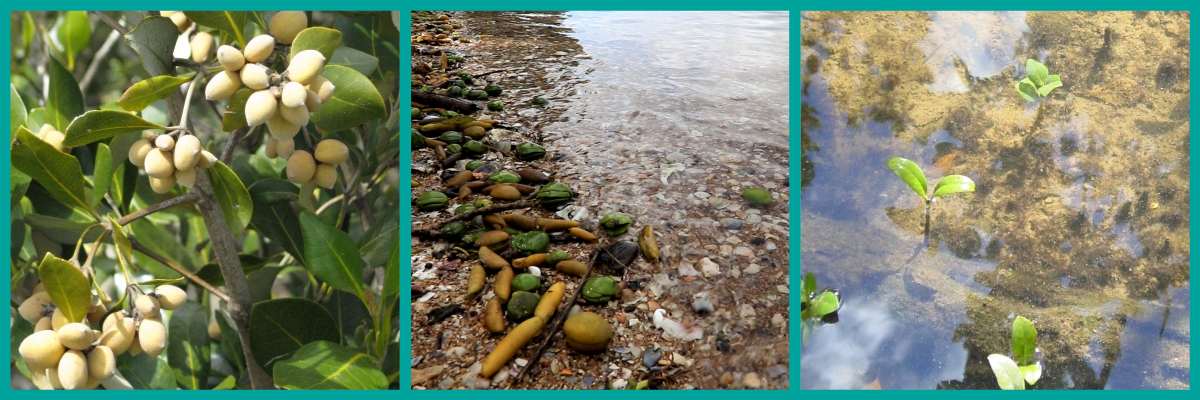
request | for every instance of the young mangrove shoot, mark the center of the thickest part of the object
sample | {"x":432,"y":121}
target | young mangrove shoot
{"x":1038,"y":82}
{"x":816,"y":307}
{"x":1024,"y":368}
{"x":911,"y":174}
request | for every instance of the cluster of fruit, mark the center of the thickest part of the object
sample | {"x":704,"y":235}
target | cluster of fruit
{"x":320,"y":166}
{"x":53,"y":137}
{"x":65,"y":354}
{"x":283,"y":101}
{"x":169,"y":161}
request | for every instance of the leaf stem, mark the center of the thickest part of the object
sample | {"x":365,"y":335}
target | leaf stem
{"x":187,"y":99}
{"x":111,"y":22}
{"x":156,"y":207}
{"x":182,"y":271}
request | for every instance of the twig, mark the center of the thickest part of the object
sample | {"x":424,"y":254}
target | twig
{"x":187,"y":98}
{"x":156,"y":207}
{"x":98,"y":59}
{"x":227,"y":153}
{"x":111,"y":22}
{"x":437,"y":226}
{"x":190,"y":276}
{"x":558,"y":320}
{"x":489,"y":73}
{"x":329,"y":203}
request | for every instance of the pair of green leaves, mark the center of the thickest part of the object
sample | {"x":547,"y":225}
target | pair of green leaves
{"x":1014,"y":374}
{"x":1038,"y":82}
{"x":814,"y":306}
{"x":911,"y":174}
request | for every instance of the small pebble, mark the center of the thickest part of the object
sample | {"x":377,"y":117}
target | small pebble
{"x":727,"y":379}
{"x":651,"y":357}
{"x":751,"y":380}
{"x":732,"y":224}
{"x":702,"y":306}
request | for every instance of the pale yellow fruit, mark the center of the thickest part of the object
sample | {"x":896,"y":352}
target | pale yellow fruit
{"x":148,"y":306}
{"x":260,"y":107}
{"x":45,"y":128}
{"x":230,"y":58}
{"x":34,"y":308}
{"x":269,"y":147}
{"x":259,"y":48}
{"x":332,"y":151}
{"x":41,"y":350}
{"x":170,"y":297}
{"x":207,"y":159}
{"x":41,"y":378}
{"x":186,"y":177}
{"x":295,"y":115}
{"x":187,"y":152}
{"x":222,"y":85}
{"x":326,"y":176}
{"x":202,"y":47}
{"x":285,"y":25}
{"x":58,"y":320}
{"x":301,"y":167}
{"x":181,"y":21}
{"x":101,"y":362}
{"x":76,"y":336}
{"x":92,"y":383}
{"x":164,"y":142}
{"x":214,"y":330}
{"x":322,"y":87}
{"x":135,"y":348}
{"x":72,"y":370}
{"x":152,"y":335}
{"x":281,"y":128}
{"x":138,"y":152}
{"x":163,"y":185}
{"x":96,"y":311}
{"x":159,"y":163}
{"x":294,"y":94}
{"x":52,"y":374}
{"x":43,"y":325}
{"x":121,"y":336}
{"x":256,"y":76}
{"x":39,"y":288}
{"x":305,"y":66}
{"x":312,"y":101}
{"x":285,"y":148}
{"x":111,"y":320}
{"x":55,"y":138}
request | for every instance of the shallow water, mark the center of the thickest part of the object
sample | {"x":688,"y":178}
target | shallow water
{"x":1080,"y":216}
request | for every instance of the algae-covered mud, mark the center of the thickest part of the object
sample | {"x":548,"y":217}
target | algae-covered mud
{"x":1079,"y":220}
{"x":635,"y":167}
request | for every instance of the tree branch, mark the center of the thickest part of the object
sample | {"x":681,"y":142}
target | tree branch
{"x":434,"y":229}
{"x":227,"y":153}
{"x":156,"y":207}
{"x":178,"y":268}
{"x":96,"y":60}
{"x":111,"y":22}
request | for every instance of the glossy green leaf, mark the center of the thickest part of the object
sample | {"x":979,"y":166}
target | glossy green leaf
{"x":27,"y":30}
{"x":62,"y":230}
{"x":122,"y":245}
{"x":65,"y":101}
{"x":824,"y":303}
{"x":36,"y":118}
{"x":72,"y":32}
{"x":349,"y":313}
{"x":154,"y":41}
{"x":251,"y":168}
{"x":231,"y":342}
{"x":910,"y":173}
{"x":1032,"y":373}
{"x":372,"y":34}
{"x":232,"y":22}
{"x":165,"y":244}
{"x":67,"y":285}
{"x":232,"y":196}
{"x":102,"y":173}
{"x":16,"y":110}
{"x":235,"y":111}
{"x":226,"y":384}
{"x":1027,"y":91}
{"x":808,"y":286}
{"x":1036,"y":72}
{"x":211,"y":272}
{"x":261,"y":281}
{"x":98,"y":125}
{"x":188,"y":352}
{"x":375,"y":244}
{"x":145,"y":372}
{"x":18,"y":184}
{"x":120,"y":148}
{"x":1024,"y":340}
{"x":317,"y":38}
{"x":355,"y":100}
{"x":953,"y":184}
{"x":362,"y":62}
{"x":324,"y":365}
{"x":332,"y":255}
{"x":58,"y":172}
{"x":1007,"y":374}
{"x":273,"y":215}
{"x":280,"y":327}
{"x":391,"y":277}
{"x":1052,"y":82}
{"x":147,"y":91}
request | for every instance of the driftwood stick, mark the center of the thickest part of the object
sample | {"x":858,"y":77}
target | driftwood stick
{"x":555,"y":324}
{"x":434,"y":229}
{"x":440,"y":101}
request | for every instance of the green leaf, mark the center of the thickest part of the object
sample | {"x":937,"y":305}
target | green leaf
{"x":16,"y":110}
{"x":36,"y":118}
{"x":362,"y":62}
{"x":232,"y":22}
{"x":355,"y":101}
{"x":65,"y":101}
{"x":73,"y":32}
{"x":1031,"y":372}
{"x":824,"y":303}
{"x":332,"y":255}
{"x":374,"y":35}
{"x":231,"y":343}
{"x":67,"y":285}
{"x":102,"y":173}
{"x":274,"y":218}
{"x":1036,"y":72}
{"x":349,"y":313}
{"x":251,"y":168}
{"x":145,"y":372}
{"x":226,"y":384}
{"x":953,"y":184}
{"x":232,"y":196}
{"x":165,"y":244}
{"x":805,"y":333}
{"x":375,"y":244}
{"x":188,"y":352}
{"x":154,"y":41}
{"x":317,"y":38}
{"x":280,"y":327}
{"x":910,"y":173}
{"x":324,"y":365}
{"x":235,"y":111}
{"x":98,"y":125}
{"x":62,"y":230}
{"x":1052,"y":82}
{"x":147,"y":91}
{"x":58,"y":172}
{"x":211,"y":272}
{"x":120,"y":148}
{"x":1007,"y":373}
{"x":1027,"y":91}
{"x":19,"y":183}
{"x":391,"y":277}
{"x":1024,"y":340}
{"x":27,"y":31}
{"x":808,"y":286}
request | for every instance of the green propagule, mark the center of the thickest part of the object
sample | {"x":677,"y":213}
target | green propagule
{"x":816,"y":306}
{"x":1014,"y":373}
{"x":911,"y":174}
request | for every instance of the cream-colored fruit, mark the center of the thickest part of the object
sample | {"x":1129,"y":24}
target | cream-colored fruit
{"x":34,"y":308}
{"x":214,"y":330}
{"x":159,"y":163}
{"x":269,"y":147}
{"x":312,"y":101}
{"x":259,"y":48}
{"x":322,"y":87}
{"x":58,"y":319}
{"x":202,"y":47}
{"x":301,"y":167}
{"x":207,"y":159}
{"x":135,"y":348}
{"x":40,"y":378}
{"x":170,"y":297}
{"x":43,"y":325}
{"x":39,"y":288}
{"x":41,"y":350}
{"x":260,"y":107}
{"x":186,"y":177}
{"x":230,"y":58}
{"x":294,"y":94}
{"x":152,"y":335}
{"x":326,"y":176}
{"x":163,"y":185}
{"x":256,"y":76}
{"x":138,"y":152}
{"x":45,"y":128}
{"x":187,"y":152}
{"x":101,"y":362}
{"x":148,"y":306}
{"x":305,"y":66}
{"x":111,"y":320}
{"x":332,"y":151}
{"x":285,"y":148}
{"x":72,"y":370}
{"x":76,"y":336}
{"x":120,"y":337}
{"x":295,"y":115}
{"x":281,"y":128}
{"x":285,"y":25}
{"x":223,"y":85}
{"x":181,"y":21}
{"x":92,"y":383}
{"x":52,"y":373}
{"x":55,"y":138}
{"x":164,"y":142}
{"x":96,"y":311}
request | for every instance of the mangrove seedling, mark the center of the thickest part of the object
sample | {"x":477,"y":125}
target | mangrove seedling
{"x":911,"y":174}
{"x":1038,"y":82}
{"x":816,"y":307}
{"x":1014,"y":373}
